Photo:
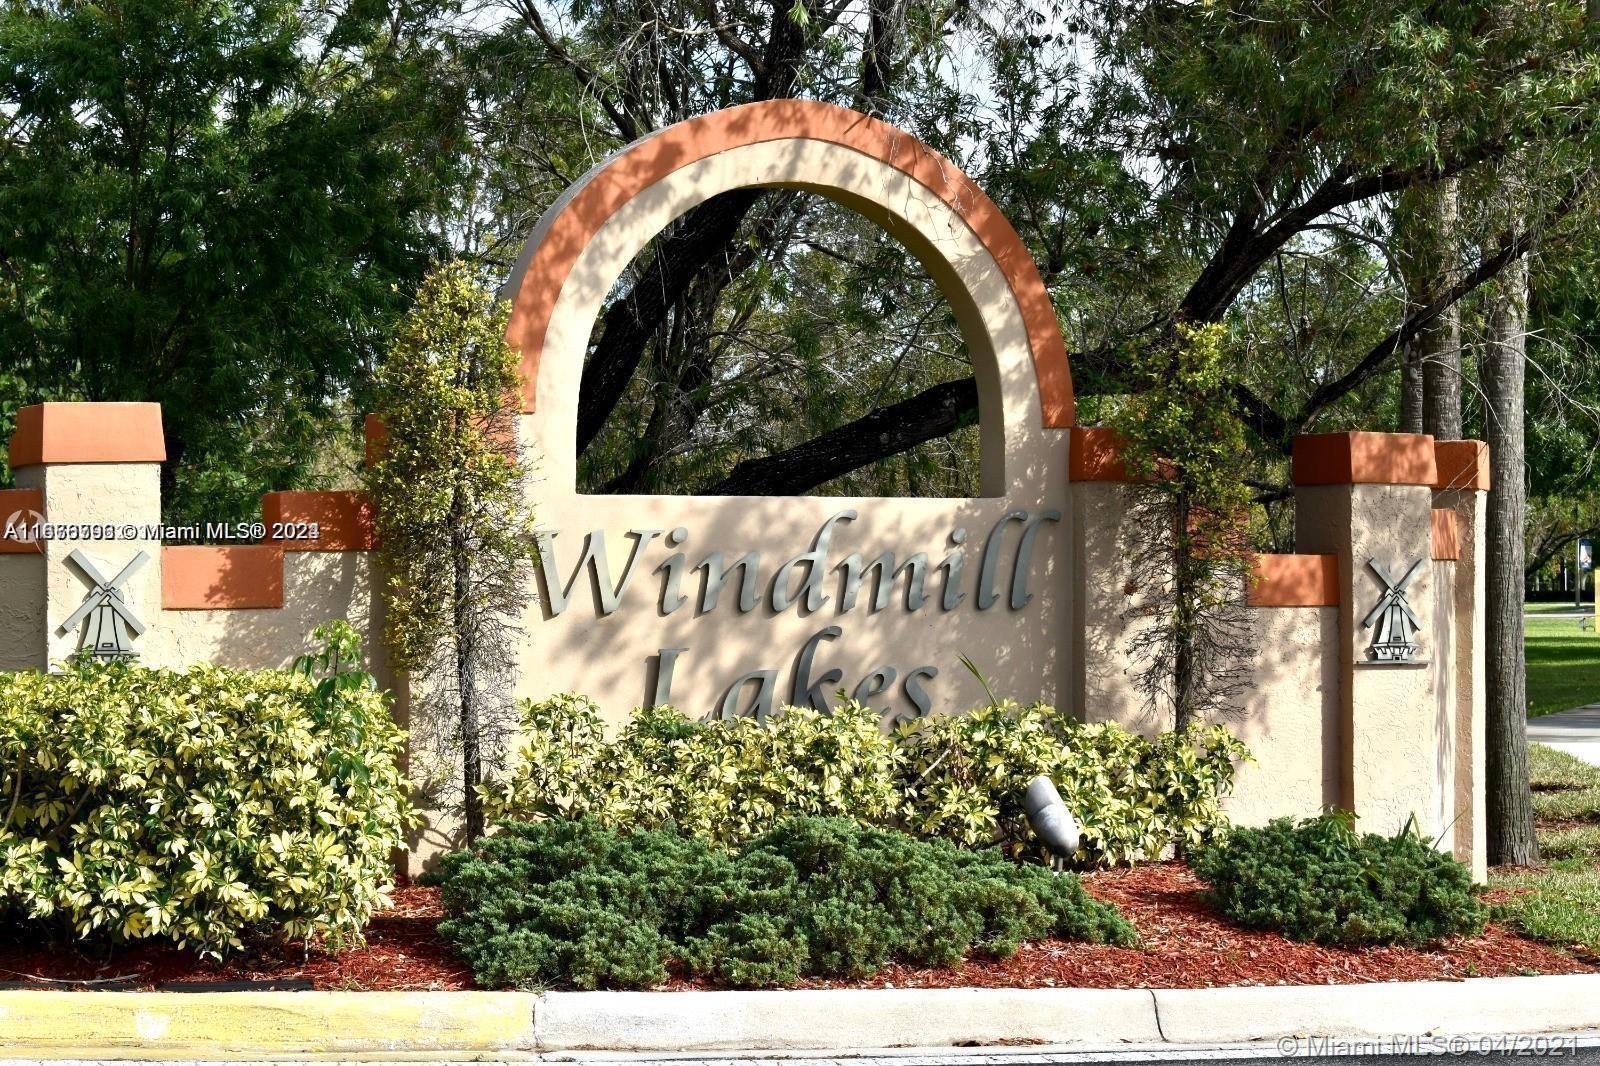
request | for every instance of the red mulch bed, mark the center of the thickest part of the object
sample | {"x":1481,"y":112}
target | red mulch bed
{"x":1186,"y":946}
{"x":403,"y":951}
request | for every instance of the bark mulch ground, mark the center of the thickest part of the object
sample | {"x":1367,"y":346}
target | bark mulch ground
{"x":1186,"y":945}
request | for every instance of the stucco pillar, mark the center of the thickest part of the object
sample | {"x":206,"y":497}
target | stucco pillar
{"x":1103,"y":683}
{"x":98,"y":469}
{"x":1463,"y":483}
{"x":1367,"y":497}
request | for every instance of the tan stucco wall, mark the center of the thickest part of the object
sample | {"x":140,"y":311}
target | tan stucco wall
{"x":318,"y":587}
{"x":1288,"y":710}
{"x":1466,"y":679}
{"x":121,"y":494}
{"x":22,"y":594}
{"x":1103,"y":685}
{"x":1289,"y":717}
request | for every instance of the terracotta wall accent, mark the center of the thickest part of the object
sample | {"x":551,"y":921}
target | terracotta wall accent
{"x":20,"y":504}
{"x":88,"y":433}
{"x":1463,"y":464}
{"x":199,"y":577}
{"x":1294,"y":581}
{"x":1446,"y":534}
{"x":1095,"y":455}
{"x":606,"y":188}
{"x":343,"y":520}
{"x":1364,"y":459}
{"x":375,"y":434}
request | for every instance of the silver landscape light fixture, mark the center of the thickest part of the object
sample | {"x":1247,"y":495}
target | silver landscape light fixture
{"x":1051,"y":821}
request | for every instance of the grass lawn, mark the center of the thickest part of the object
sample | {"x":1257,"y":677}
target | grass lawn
{"x":1559,"y":903}
{"x":1563,"y":665}
{"x":1559,"y":607}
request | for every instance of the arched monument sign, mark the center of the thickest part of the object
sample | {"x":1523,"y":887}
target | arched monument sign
{"x":728,"y":605}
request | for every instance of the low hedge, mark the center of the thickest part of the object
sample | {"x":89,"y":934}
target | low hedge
{"x":578,"y":904}
{"x":957,"y":777}
{"x":1321,"y":880}
{"x":197,"y":805}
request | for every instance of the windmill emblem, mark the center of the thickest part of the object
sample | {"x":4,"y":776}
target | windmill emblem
{"x":112,"y":624}
{"x":1395,"y":623}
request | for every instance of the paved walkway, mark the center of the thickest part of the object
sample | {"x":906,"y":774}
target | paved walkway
{"x":1576,"y":732}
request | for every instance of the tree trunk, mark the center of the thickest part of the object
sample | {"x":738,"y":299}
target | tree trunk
{"x":1184,"y":681}
{"x":467,"y":687}
{"x":1430,"y":391}
{"x":1412,"y":387}
{"x":1510,"y":800}
{"x":1440,"y":340}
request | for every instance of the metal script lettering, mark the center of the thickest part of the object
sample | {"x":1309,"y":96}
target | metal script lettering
{"x":1019,"y":576}
{"x":594,"y":560}
{"x":988,"y":593}
{"x":803,"y":692}
{"x":749,"y":567}
{"x":816,"y":561}
{"x":855,"y":570}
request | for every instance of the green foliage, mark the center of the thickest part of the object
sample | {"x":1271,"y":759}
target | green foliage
{"x":1134,"y":797}
{"x":447,"y":487}
{"x":576,"y":903}
{"x":1185,"y":445}
{"x":723,"y":781}
{"x":194,"y":806}
{"x":1321,"y":880}
{"x":959,"y":778}
{"x":219,"y":207}
{"x":1558,"y":904}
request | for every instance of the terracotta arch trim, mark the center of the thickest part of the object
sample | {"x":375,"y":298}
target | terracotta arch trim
{"x":606,"y":189}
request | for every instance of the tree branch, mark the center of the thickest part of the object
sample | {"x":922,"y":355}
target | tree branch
{"x":887,"y":431}
{"x":699,"y":245}
{"x":733,"y":42}
{"x":626,"y":126}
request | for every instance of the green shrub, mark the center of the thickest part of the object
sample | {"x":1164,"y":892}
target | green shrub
{"x":575,"y":903}
{"x":1133,"y":796}
{"x":1321,"y":880}
{"x":960,"y":778}
{"x":722,"y":781}
{"x":196,"y":805}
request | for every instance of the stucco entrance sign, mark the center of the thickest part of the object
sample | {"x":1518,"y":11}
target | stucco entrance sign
{"x":803,"y":582}
{"x":724,"y":605}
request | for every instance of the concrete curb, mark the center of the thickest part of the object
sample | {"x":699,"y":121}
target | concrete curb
{"x":264,"y":1025}
{"x":841,"y":1018}
{"x":1482,"y":1006}
{"x":233,"y":1025}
